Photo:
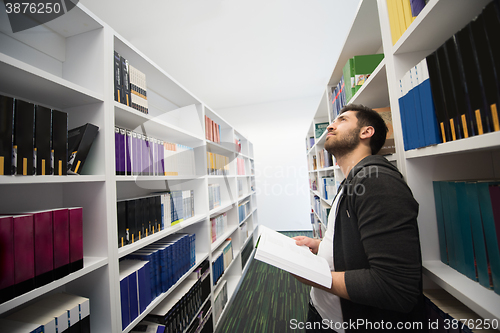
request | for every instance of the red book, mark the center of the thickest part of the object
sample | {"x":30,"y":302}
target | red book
{"x":44,"y":245}
{"x":75,"y":239}
{"x":24,"y":254}
{"x":60,"y":224}
{"x":6,"y":259}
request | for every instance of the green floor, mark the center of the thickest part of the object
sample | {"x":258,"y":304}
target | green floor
{"x":268,"y":299}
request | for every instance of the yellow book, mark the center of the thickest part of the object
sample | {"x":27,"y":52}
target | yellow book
{"x":393,"y":21}
{"x":407,"y":13}
{"x":401,"y":17}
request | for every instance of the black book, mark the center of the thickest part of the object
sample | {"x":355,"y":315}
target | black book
{"x":43,"y":135}
{"x":80,"y":140}
{"x":133,"y":213}
{"x":125,"y":81}
{"x":60,"y":142}
{"x":491,"y":15}
{"x":117,"y":77}
{"x":6,"y":135}
{"x":463,"y":108}
{"x":488,"y":74}
{"x":24,"y":137}
{"x":158,"y":225}
{"x":449,"y":93}
{"x":438,"y":96}
{"x":121,"y":211}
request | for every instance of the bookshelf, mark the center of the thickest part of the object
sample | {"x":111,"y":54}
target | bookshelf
{"x":67,"y":64}
{"x":476,"y":157}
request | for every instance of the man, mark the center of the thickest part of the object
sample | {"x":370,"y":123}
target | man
{"x":372,"y":241}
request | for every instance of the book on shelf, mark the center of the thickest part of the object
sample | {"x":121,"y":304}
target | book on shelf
{"x":280,"y":251}
{"x":218,"y":226}
{"x":24,"y":136}
{"x":43,"y":117}
{"x":60,"y":142}
{"x":401,"y":15}
{"x":117,"y":77}
{"x":129,"y":84}
{"x":80,"y":141}
{"x":212,"y":130}
{"x":468,"y":221}
{"x":138,"y":90}
{"x":6,"y":135}
{"x":338,"y":97}
{"x":389,"y":146}
{"x":220,"y":301}
{"x":357,"y":70}
{"x":124,"y":70}
{"x":319,"y":129}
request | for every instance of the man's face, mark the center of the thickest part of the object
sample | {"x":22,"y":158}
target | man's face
{"x":343,"y":134}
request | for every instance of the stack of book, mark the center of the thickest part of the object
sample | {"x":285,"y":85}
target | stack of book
{"x":218,"y":226}
{"x":357,"y":70}
{"x":139,"y":155}
{"x":401,"y":14}
{"x":141,"y":217}
{"x":243,"y":210}
{"x":38,"y":248}
{"x":135,"y":289}
{"x":464,"y":78}
{"x":59,"y":312}
{"x":217,"y":165}
{"x":468,"y":220}
{"x":33,"y":139}
{"x":214,"y":196}
{"x":212,"y":130}
{"x":178,"y":310}
{"x":130,"y":84}
{"x":240,"y":166}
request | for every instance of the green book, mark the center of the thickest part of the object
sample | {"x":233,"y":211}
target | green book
{"x":348,"y":71}
{"x":319,"y":129}
{"x":363,"y":66}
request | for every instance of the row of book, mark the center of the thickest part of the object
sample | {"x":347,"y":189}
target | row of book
{"x":401,"y":15}
{"x":323,"y":160}
{"x":218,"y":226}
{"x":247,"y":252}
{"x":446,"y":314}
{"x":34,"y":140}
{"x":357,"y":70}
{"x":170,"y":258}
{"x":237,"y":145}
{"x":223,"y":257}
{"x":244,"y":210}
{"x":217,"y":165}
{"x":58,"y":312}
{"x":38,"y":248}
{"x":337,"y":98}
{"x":468,"y":220}
{"x":464,"y":78}
{"x":416,"y":106}
{"x":141,"y":217}
{"x":220,"y":301}
{"x":321,"y":211}
{"x":313,"y":181}
{"x":129,"y":84}
{"x":329,"y":187}
{"x":212,"y":130}
{"x":317,"y":226}
{"x":309,"y":143}
{"x":138,"y":154}
{"x":240,"y":166}
{"x":214,"y":196}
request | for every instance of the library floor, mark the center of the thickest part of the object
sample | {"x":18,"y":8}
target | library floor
{"x":267,"y":300}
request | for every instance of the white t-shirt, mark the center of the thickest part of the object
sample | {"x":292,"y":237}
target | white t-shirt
{"x":327,"y":304}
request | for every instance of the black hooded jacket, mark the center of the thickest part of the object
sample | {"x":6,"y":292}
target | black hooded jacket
{"x":376,"y":243}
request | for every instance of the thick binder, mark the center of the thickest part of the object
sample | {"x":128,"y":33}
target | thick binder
{"x":44,"y":247}
{"x":6,"y":135}
{"x":121,"y":209}
{"x":75,"y":215}
{"x":7,"y":259}
{"x":24,"y":254}
{"x":80,"y":141}
{"x":60,"y":220}
{"x":43,"y":135}
{"x":24,"y":137}
{"x":60,"y":142}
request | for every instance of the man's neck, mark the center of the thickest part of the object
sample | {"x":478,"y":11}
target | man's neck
{"x":349,"y":161}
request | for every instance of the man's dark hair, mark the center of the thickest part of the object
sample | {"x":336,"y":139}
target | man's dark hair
{"x":369,"y":117}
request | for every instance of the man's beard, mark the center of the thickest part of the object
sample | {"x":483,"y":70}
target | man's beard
{"x":339,"y":147}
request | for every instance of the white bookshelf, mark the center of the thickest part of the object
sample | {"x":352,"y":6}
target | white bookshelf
{"x":67,"y":64}
{"x":475,"y":157}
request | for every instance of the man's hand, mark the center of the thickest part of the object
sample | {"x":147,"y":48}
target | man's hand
{"x":311,"y":243}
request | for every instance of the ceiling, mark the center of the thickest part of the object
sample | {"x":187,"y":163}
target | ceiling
{"x":232,"y":53}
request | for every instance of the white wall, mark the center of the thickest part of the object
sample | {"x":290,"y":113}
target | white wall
{"x":277,"y":131}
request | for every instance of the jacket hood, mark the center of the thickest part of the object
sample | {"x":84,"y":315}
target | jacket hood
{"x":372,"y":160}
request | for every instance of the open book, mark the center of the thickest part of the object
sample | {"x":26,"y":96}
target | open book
{"x":280,"y":251}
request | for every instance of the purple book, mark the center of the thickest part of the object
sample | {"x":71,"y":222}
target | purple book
{"x":44,"y":245}
{"x":117,"y":151}
{"x":136,"y":153}
{"x":145,"y":157}
{"x":60,"y":220}
{"x":75,"y":238}
{"x":128,"y":153}
{"x":6,"y":258}
{"x":122,"y":148}
{"x":161,"y":157}
{"x":24,"y":254}
{"x":416,"y":6}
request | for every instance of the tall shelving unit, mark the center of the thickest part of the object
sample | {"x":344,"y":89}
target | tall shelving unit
{"x":67,"y":64}
{"x":472,"y":158}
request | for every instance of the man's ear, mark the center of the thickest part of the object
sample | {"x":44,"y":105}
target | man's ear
{"x":366,"y":132}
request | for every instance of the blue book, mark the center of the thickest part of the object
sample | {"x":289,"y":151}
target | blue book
{"x":148,"y":256}
{"x":477,"y":234}
{"x":133,"y":300}
{"x":438,"y":199}
{"x":143,"y":279}
{"x":465,"y":231}
{"x":490,"y":233}
{"x":457,"y":233}
{"x":124,"y":301}
{"x":420,"y":130}
{"x":448,"y":224}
